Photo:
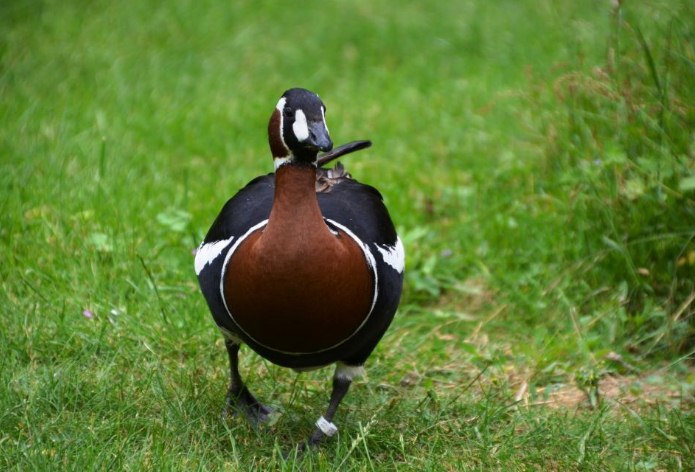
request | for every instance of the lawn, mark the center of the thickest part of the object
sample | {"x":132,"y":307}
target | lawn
{"x":538,"y":158}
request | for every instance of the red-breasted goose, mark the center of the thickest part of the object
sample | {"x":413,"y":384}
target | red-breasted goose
{"x":304,"y":264}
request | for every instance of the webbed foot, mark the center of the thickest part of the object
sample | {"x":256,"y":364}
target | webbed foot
{"x":245,"y":403}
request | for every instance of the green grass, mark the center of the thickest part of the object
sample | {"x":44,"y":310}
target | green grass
{"x":537,"y":157}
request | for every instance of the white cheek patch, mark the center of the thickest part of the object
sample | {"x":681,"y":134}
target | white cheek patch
{"x":300,"y":126}
{"x":281,"y":104}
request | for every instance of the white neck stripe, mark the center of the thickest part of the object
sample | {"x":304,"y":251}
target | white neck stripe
{"x":323,"y":117}
{"x":280,"y":107}
{"x":281,"y":104}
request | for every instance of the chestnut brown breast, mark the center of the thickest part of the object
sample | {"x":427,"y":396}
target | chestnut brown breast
{"x":294,"y":286}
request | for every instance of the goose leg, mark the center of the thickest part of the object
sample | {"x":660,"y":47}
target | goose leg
{"x":238,"y":397}
{"x":341,"y":384}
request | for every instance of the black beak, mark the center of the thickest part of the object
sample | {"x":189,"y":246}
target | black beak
{"x":318,"y":137}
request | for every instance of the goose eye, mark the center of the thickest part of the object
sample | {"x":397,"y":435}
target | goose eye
{"x":288,"y":112}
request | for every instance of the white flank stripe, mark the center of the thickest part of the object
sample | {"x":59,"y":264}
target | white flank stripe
{"x":300,"y":126}
{"x":393,"y":255}
{"x":209,"y":252}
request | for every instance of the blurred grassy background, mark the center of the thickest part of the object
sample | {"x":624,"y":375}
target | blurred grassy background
{"x":537,"y":157}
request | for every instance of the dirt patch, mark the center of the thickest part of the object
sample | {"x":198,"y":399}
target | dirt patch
{"x":642,"y":390}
